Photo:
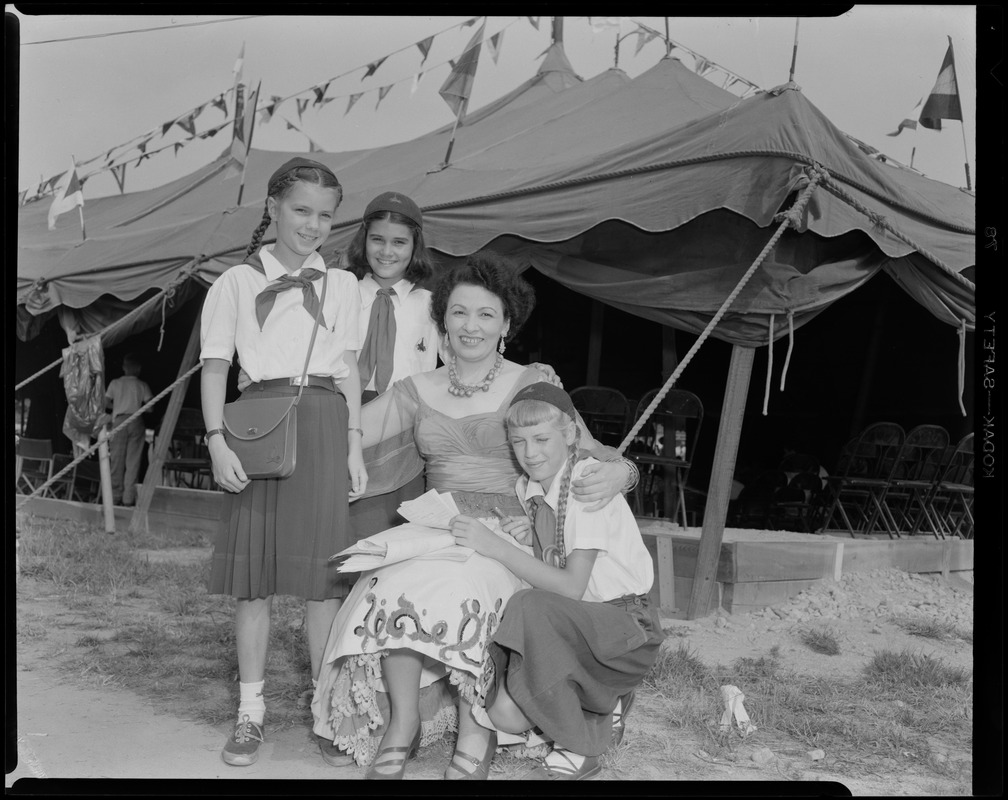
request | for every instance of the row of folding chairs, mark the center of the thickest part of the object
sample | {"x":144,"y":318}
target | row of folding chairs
{"x":35,"y":464}
{"x":664,"y":448}
{"x":902,"y":483}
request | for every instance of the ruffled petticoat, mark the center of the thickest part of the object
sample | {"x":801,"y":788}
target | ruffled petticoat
{"x":445,"y":610}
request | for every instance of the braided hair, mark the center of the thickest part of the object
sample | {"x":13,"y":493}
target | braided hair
{"x":526,"y":413}
{"x":280,"y":186}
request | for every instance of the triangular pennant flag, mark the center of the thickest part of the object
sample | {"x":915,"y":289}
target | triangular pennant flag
{"x":458,"y":85}
{"x":291,"y":126}
{"x":424,"y":48}
{"x":51,"y":183}
{"x":178,"y":146}
{"x":702,"y":65}
{"x":643,"y":37}
{"x":906,"y":123}
{"x":494,"y":45}
{"x":119,"y":173}
{"x":943,"y":102}
{"x":534,"y":21}
{"x":373,"y":67}
{"x":353,"y":99}
{"x":313,"y":147}
{"x":166,"y":126}
{"x":68,"y":195}
{"x":320,"y":93}
{"x":221,"y":103}
{"x":384,"y":90}
{"x":468,"y":23}
{"x":142,"y":157}
{"x":301,"y":106}
{"x":416,"y":83}
{"x":267,"y":113}
{"x":188,"y":124}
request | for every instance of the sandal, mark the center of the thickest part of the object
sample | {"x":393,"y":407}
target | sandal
{"x":481,"y":766}
{"x":566,"y":772}
{"x":619,"y":717}
{"x":399,"y":763}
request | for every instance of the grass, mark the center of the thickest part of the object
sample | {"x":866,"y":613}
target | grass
{"x":929,"y":628}
{"x":821,"y":640}
{"x":152,"y":628}
{"x":902,"y":699}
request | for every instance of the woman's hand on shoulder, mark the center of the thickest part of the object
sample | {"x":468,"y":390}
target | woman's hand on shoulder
{"x":599,"y":483}
{"x":548,"y":373}
{"x":227,"y":469}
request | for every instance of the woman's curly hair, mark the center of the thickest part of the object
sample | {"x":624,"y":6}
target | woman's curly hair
{"x":495,"y":274}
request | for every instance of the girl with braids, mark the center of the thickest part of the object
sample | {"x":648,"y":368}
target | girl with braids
{"x":569,"y":652}
{"x":276,"y":535}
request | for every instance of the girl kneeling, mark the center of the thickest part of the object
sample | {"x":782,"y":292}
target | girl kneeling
{"x":569,"y":652}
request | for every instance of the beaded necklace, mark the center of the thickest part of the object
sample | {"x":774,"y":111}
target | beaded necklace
{"x":460,"y":389}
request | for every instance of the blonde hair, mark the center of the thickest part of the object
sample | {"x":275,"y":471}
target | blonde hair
{"x":525,"y":414}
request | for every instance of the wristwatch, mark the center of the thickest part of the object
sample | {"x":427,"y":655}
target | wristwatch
{"x":208,"y":434}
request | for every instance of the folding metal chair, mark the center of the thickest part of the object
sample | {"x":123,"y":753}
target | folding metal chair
{"x":918,"y":467}
{"x":951,"y":500}
{"x":605,"y":412}
{"x":794,"y":506}
{"x":675,"y":427}
{"x":860,"y":479}
{"x":189,"y":461}
{"x":33,"y":464}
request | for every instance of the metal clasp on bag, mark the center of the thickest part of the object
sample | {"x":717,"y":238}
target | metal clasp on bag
{"x":252,"y":432}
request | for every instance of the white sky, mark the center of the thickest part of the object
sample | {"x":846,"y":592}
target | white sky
{"x":865,"y":70}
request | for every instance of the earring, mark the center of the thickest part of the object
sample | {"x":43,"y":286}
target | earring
{"x":500,"y":347}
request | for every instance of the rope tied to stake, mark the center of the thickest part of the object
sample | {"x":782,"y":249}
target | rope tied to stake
{"x":818,"y":174}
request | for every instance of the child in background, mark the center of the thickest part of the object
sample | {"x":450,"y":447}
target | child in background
{"x":569,"y":653}
{"x":125,"y":396}
{"x":276,"y":535}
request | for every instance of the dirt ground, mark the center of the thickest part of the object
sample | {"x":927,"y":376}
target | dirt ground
{"x":71,"y":726}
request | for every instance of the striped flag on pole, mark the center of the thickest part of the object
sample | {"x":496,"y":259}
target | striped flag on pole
{"x":943,"y":103}
{"x":458,"y":85}
{"x":69,"y":194}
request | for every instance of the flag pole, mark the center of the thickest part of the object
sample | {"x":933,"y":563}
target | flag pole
{"x":794,"y":50}
{"x":668,"y":42}
{"x":451,"y":142}
{"x":969,"y":187}
{"x":248,"y":148}
{"x":80,"y":209}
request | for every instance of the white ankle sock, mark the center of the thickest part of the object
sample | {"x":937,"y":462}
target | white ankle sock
{"x":251,"y":702}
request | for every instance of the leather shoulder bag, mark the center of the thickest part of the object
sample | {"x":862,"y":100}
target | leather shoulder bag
{"x":262,"y":431}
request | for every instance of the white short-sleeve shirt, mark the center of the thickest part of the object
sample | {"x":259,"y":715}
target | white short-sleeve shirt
{"x":623,"y":565}
{"x":228,"y":322}
{"x":416,"y":344}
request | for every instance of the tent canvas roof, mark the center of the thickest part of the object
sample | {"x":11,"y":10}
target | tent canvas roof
{"x":685,"y":167}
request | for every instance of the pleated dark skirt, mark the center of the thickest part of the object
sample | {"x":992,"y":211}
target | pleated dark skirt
{"x":567,"y":662}
{"x":277,"y":534}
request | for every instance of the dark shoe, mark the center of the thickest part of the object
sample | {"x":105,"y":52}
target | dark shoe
{"x":242,"y":748}
{"x":332,"y":755}
{"x":619,"y":718}
{"x":481,"y":766}
{"x":399,"y":763}
{"x":568,"y":772}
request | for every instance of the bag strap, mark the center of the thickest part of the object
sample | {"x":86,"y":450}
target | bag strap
{"x":311,"y":344}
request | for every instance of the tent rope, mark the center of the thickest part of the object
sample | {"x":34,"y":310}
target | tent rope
{"x":790,"y":347}
{"x":183,"y":275}
{"x":111,"y":433}
{"x":769,"y":364}
{"x":792,"y":218}
{"x":880,"y":222}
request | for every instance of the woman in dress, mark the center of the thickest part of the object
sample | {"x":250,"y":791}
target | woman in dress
{"x":413,"y":634}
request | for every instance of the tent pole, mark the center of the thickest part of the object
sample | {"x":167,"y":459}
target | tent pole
{"x":794,"y":50}
{"x":595,"y":343}
{"x":163,"y":441}
{"x":668,"y":42}
{"x":719,"y":491}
